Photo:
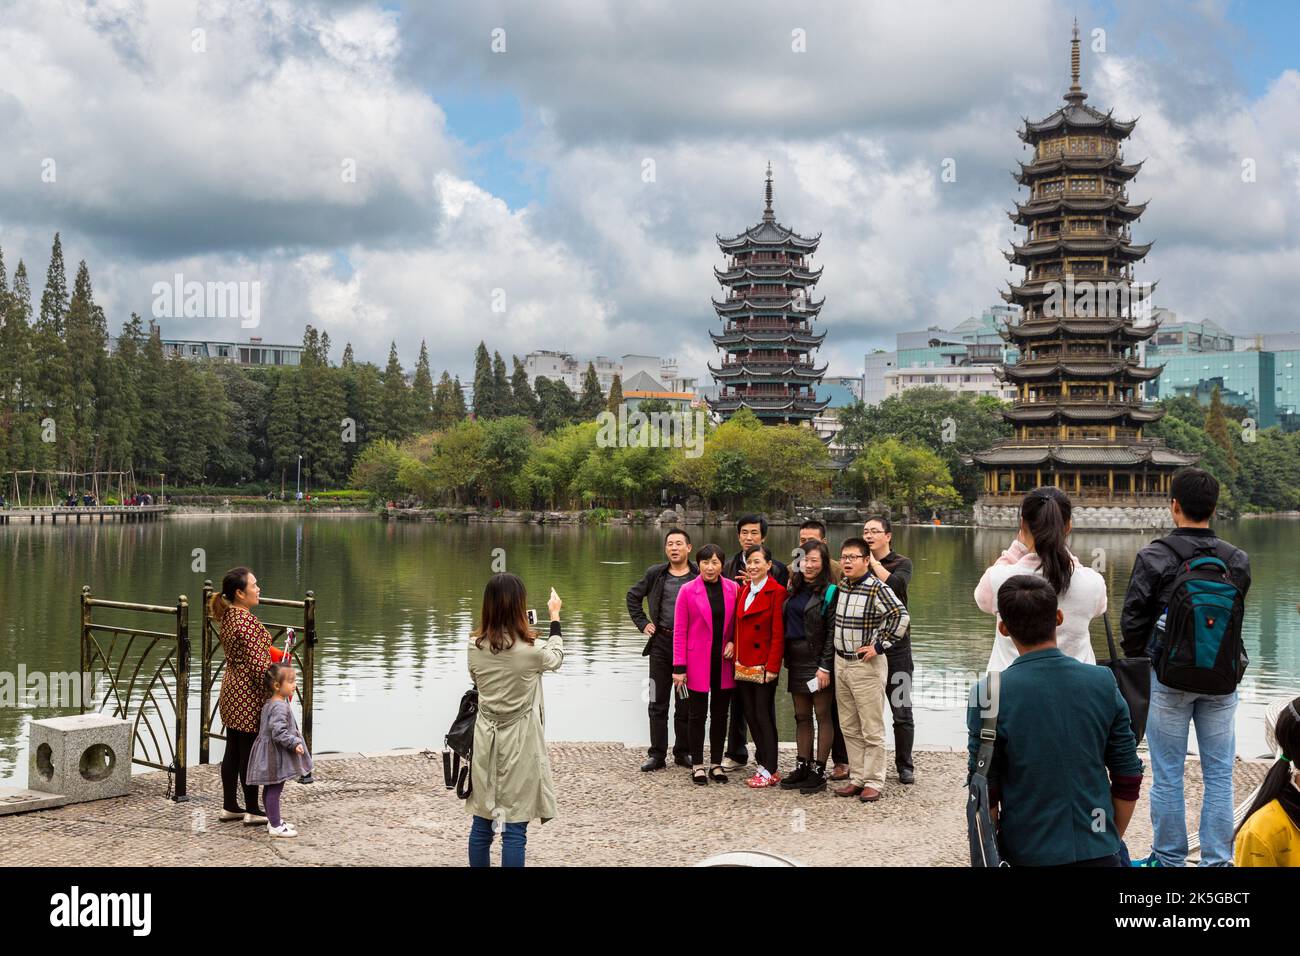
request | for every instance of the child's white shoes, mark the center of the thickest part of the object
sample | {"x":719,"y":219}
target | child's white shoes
{"x":285,"y":829}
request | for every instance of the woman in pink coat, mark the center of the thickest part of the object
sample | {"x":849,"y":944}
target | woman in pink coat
{"x":704,"y":652}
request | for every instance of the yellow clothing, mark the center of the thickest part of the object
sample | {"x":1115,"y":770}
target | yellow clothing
{"x":1268,"y":838}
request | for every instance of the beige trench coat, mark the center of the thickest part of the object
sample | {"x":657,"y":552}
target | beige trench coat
{"x":511,"y":772}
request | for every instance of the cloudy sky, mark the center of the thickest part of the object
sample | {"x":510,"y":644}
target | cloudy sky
{"x":392,"y":172}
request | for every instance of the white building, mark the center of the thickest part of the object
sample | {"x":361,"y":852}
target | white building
{"x":972,"y":379}
{"x":565,"y":367}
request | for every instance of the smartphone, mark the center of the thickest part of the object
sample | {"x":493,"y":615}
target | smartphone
{"x":532,"y":617}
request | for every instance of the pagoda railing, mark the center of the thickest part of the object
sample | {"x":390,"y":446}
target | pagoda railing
{"x":768,"y":358}
{"x":755,"y":325}
{"x":1084,"y":499}
{"x":1074,"y":146}
{"x":1071,"y":400}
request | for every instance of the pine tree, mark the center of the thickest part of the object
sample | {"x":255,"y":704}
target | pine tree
{"x":1216,"y":426}
{"x":86,"y":338}
{"x":150,"y":450}
{"x":448,"y":403}
{"x":592,"y":402}
{"x":615,"y":394}
{"x":52,"y":392}
{"x":422,"y":392}
{"x":348,"y":360}
{"x":502,"y":400}
{"x":396,"y":405}
{"x":462,"y":410}
{"x":484,"y":393}
{"x":523,"y":398}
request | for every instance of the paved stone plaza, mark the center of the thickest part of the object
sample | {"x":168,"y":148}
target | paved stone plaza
{"x":392,"y":809}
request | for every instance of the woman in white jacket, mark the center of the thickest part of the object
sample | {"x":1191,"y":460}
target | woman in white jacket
{"x":1040,"y":549}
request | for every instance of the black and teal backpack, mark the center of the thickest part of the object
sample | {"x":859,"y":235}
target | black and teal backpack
{"x":1201,"y":649}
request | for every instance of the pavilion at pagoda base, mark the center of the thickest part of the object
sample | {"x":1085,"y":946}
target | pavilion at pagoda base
{"x":1118,"y":513}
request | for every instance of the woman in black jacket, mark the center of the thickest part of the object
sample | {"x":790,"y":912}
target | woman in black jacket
{"x":808,"y":658}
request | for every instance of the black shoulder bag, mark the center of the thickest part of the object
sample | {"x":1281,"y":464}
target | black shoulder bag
{"x":460,"y":746}
{"x":979,"y":818}
{"x":1133,"y":678}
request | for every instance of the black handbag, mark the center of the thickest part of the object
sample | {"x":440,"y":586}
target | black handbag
{"x":459,"y":745}
{"x":1133,"y":677}
{"x":980,"y":828}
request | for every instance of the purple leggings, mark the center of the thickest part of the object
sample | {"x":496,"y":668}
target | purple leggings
{"x":271,"y":802}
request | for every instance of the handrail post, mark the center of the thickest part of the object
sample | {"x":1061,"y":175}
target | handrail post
{"x":85,"y":637}
{"x":182,"y":691}
{"x":205,"y":676}
{"x":309,"y":665}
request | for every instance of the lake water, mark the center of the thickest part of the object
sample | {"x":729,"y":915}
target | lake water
{"x":397,"y":599}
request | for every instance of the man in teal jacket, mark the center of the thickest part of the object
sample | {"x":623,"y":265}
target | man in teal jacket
{"x":1065,"y":774}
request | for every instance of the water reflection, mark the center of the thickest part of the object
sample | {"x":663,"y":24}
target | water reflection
{"x":397,"y":600}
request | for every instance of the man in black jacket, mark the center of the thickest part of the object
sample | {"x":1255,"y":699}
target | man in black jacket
{"x":659,"y":587}
{"x":1195,"y":494}
{"x":895,"y":571}
{"x":750,"y":530}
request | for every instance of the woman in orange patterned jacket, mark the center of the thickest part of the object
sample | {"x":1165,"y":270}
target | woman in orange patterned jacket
{"x":247,"y":646}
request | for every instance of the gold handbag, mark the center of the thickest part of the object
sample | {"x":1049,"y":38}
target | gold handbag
{"x":751,"y":674}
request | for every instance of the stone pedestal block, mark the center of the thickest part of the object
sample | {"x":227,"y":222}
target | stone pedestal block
{"x":87,"y":757}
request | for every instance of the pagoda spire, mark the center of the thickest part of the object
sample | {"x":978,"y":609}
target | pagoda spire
{"x":768,"y":215}
{"x":1076,"y":94}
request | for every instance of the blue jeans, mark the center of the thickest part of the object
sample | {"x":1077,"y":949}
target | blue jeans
{"x":512,"y":842}
{"x":1216,"y":739}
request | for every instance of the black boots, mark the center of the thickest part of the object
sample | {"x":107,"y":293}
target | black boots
{"x":796,"y":777}
{"x":816,"y":781}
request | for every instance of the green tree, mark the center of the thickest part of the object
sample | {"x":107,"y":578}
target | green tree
{"x":396,"y":406}
{"x":1216,"y":426}
{"x":905,"y":476}
{"x":556,"y":406}
{"x":592,"y":402}
{"x":485,"y":398}
{"x":615,"y":395}
{"x":422,"y":392}
{"x":524,"y":399}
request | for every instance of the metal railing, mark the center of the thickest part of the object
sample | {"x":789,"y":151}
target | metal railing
{"x":212,"y":661}
{"x":137,"y":679}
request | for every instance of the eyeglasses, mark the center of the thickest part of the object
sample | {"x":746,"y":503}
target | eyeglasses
{"x":852,"y":557}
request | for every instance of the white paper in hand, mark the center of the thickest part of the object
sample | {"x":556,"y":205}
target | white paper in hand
{"x":812,"y":685}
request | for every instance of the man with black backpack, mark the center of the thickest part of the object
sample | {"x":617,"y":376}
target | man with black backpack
{"x":1184,"y":606}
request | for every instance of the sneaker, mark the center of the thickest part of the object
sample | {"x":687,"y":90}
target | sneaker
{"x":731,"y":766}
{"x":797,"y":776}
{"x":1151,"y":860}
{"x":285,"y":829}
{"x":758,"y":781}
{"x":225,"y":816}
{"x":254,"y":819}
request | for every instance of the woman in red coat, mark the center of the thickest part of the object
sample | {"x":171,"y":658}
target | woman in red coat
{"x":760,"y":646}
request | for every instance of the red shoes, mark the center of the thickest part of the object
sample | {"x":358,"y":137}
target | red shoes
{"x":758,"y":781}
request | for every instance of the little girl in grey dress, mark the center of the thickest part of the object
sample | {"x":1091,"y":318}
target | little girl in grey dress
{"x":279,"y":753}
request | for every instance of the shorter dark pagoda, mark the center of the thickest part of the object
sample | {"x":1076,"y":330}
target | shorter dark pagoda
{"x":767,"y":314}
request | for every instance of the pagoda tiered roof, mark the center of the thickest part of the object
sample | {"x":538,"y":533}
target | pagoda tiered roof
{"x":1060,"y":164}
{"x":1057,"y":246}
{"x":761,"y":336}
{"x":1011,"y":452}
{"x":761,"y":270}
{"x":1024,"y":371}
{"x":1112,"y":204}
{"x":1048,"y":327}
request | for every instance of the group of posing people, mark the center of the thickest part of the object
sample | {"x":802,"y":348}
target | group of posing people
{"x":719,"y":632}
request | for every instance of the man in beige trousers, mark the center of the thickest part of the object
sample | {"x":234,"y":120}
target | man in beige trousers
{"x":869,"y":619}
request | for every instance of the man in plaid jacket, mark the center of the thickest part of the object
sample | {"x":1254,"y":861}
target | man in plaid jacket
{"x":869,"y":619}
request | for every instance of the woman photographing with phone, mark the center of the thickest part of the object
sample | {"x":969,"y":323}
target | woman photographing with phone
{"x":511,"y":773}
